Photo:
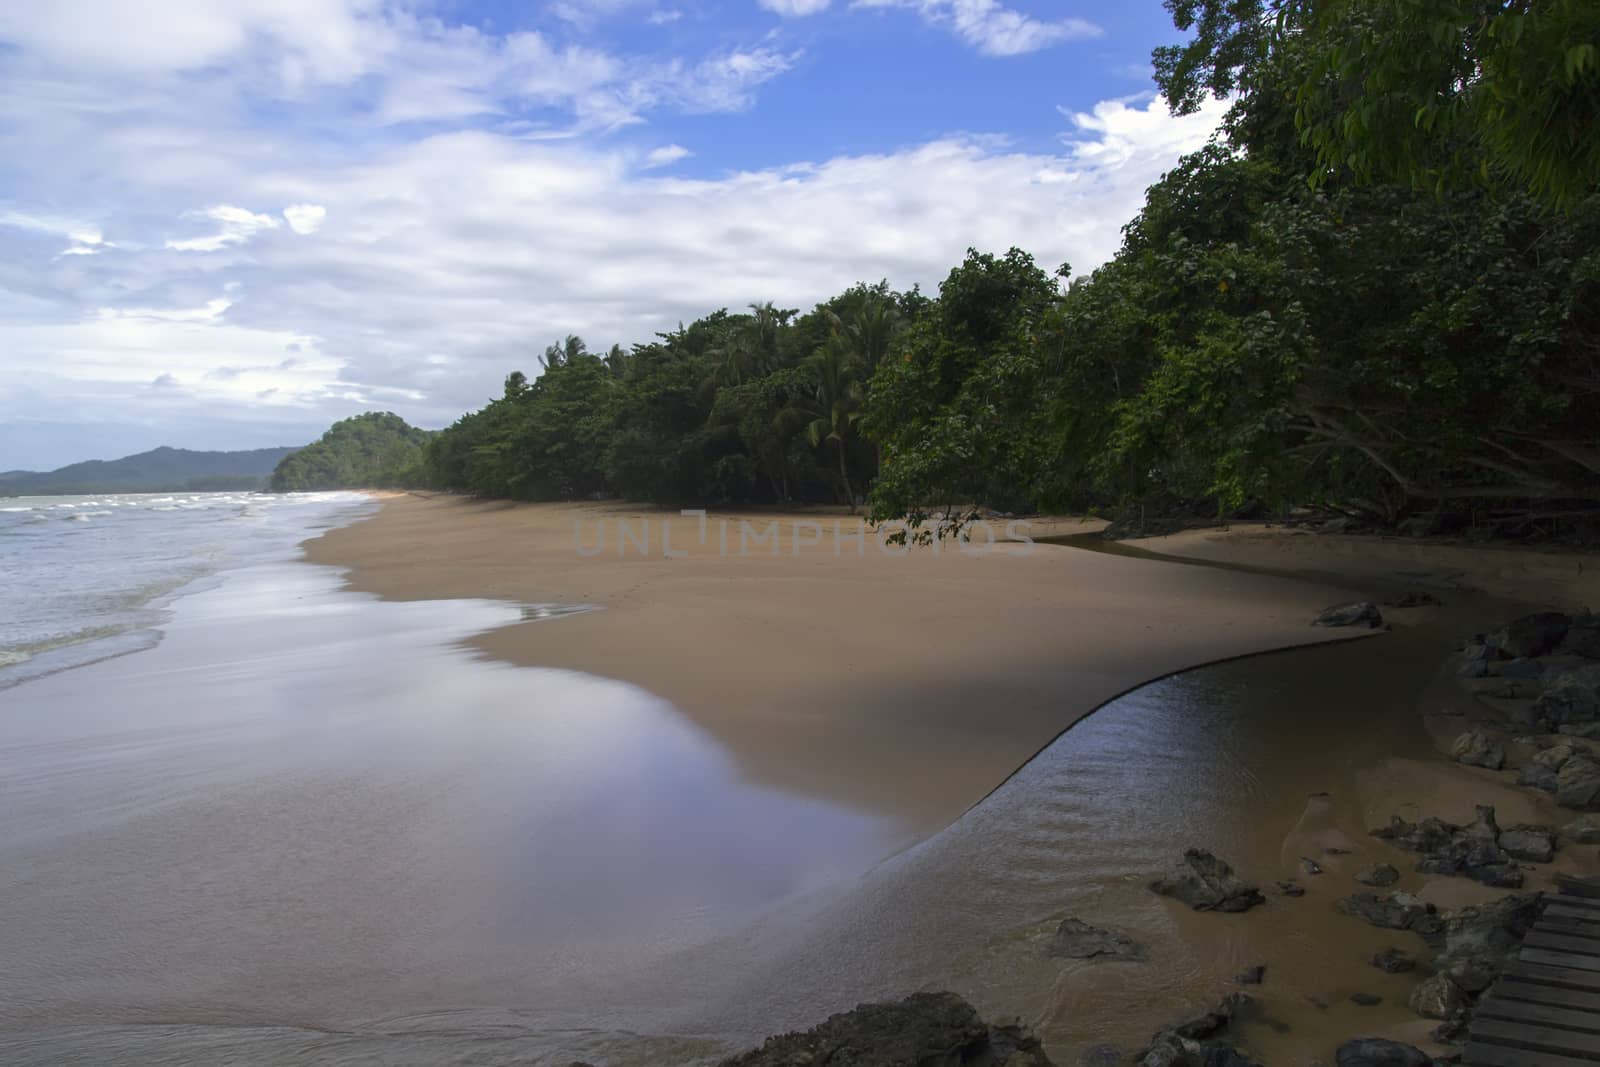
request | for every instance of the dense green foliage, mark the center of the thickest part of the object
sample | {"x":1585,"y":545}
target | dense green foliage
{"x":1377,"y":290}
{"x":161,"y":470}
{"x":373,"y":450}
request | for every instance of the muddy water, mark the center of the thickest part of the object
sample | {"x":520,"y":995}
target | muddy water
{"x":469,"y":863}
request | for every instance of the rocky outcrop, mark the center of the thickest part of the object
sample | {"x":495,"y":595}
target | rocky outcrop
{"x":1571,"y":703}
{"x":1378,"y":1052}
{"x":1203,"y":1041}
{"x":1584,"y":830}
{"x":1472,"y":851}
{"x":1479,"y":749}
{"x":1532,"y":635}
{"x":1532,"y":844}
{"x":932,"y":1029}
{"x":1206,"y":883}
{"x":1361,"y":612}
{"x":1077,"y":940}
{"x":1478,"y":942}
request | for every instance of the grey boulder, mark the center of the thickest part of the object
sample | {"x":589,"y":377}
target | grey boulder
{"x":1206,"y":883}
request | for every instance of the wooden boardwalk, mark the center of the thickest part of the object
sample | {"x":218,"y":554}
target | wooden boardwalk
{"x":1544,"y":1011}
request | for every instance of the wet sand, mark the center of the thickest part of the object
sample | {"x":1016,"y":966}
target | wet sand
{"x":910,"y":685}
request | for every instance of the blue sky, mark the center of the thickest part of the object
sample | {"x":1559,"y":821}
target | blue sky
{"x":226,"y":223}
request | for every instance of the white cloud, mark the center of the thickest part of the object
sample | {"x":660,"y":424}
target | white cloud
{"x":795,"y":8}
{"x":235,"y":226}
{"x":666,"y":155}
{"x":305,"y":218}
{"x":994,"y":30}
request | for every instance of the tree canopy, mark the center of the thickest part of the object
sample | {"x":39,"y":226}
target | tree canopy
{"x":374,"y":450}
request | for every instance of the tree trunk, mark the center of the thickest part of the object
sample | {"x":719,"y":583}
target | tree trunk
{"x":844,"y":475}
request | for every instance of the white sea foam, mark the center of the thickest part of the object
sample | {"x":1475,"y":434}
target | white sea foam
{"x":12,"y":657}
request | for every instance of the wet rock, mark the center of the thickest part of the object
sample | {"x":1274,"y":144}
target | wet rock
{"x":1354,"y":614}
{"x":1578,"y":784}
{"x":924,"y":1028}
{"x":1414,"y":599}
{"x":1291,"y":889}
{"x":1201,"y":1041}
{"x":1397,"y":911}
{"x":1478,"y":942}
{"x":1532,"y":844}
{"x":1454,"y":1030}
{"x":1554,"y":757}
{"x":1335,"y":850}
{"x":1379,"y":874}
{"x":1379,"y":1052}
{"x":1206,"y":883}
{"x":1521,"y":670}
{"x":1310,"y":866}
{"x":1394,"y":961}
{"x":1437,"y":998}
{"x":1365,"y":1000}
{"x":1584,"y":830}
{"x":1572,"y":699}
{"x":1252,"y":975}
{"x":1077,"y":940}
{"x":1469,"y":851}
{"x":1541,"y":771}
{"x":1532,"y":635}
{"x":1478,"y":749}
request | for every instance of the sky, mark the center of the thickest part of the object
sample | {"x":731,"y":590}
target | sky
{"x":227,"y":223}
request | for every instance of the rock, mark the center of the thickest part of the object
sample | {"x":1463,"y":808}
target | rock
{"x":1479,"y":941}
{"x":1361,"y":611}
{"x":1532,"y":635}
{"x":1335,"y":850}
{"x":1584,"y":830}
{"x":1553,"y":757}
{"x":1573,"y":698}
{"x":1200,"y":1042}
{"x":1530,"y":844}
{"x":1379,"y":874}
{"x":1539,"y":776}
{"x":1206,"y":883}
{"x":1379,"y":1052}
{"x":1393,"y":961}
{"x":1252,"y":975}
{"x":1397,"y":911}
{"x":1100,"y":1056}
{"x":1428,"y":835}
{"x":1454,"y":1030}
{"x":1291,"y":889}
{"x":1077,"y":940}
{"x":1478,"y":749}
{"x":1581,"y":641}
{"x":1578,"y":784}
{"x":1310,"y":866}
{"x":1365,"y":1000}
{"x":1414,"y":599}
{"x":924,"y":1028}
{"x":1437,"y":998}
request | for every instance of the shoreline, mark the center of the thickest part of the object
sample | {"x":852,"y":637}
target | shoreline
{"x":909,"y":686}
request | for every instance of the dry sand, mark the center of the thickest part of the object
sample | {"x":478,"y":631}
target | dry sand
{"x":908,"y":684}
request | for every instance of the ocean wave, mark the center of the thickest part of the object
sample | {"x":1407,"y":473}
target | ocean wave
{"x":16,"y":509}
{"x":12,"y":657}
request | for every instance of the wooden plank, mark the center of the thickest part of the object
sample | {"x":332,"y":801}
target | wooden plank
{"x":1539,"y":1014}
{"x":1572,"y":901}
{"x":1539,"y":1038}
{"x":1532,"y":971}
{"x":1553,"y":958}
{"x":1479,"y":1054}
{"x":1583,"y":946}
{"x":1552,"y":921}
{"x":1563,"y":911}
{"x":1514,"y":989}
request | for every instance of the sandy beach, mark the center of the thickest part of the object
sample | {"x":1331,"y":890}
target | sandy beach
{"x":910,"y":684}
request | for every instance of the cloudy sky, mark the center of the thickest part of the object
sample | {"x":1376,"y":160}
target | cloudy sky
{"x":226,"y":223}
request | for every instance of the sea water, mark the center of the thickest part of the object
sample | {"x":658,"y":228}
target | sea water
{"x":87,"y":577}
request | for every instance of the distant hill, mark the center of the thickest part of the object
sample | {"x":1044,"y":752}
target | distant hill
{"x":161,"y":470}
{"x":368,"y":451}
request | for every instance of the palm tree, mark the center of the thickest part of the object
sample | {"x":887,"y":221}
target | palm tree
{"x":829,"y":409}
